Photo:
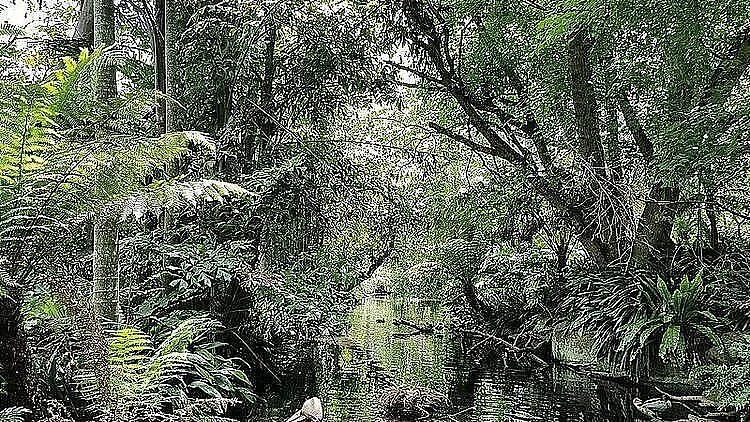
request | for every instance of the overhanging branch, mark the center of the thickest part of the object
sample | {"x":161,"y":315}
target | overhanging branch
{"x":474,"y":146}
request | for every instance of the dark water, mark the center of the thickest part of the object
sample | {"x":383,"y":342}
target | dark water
{"x":349,"y":373}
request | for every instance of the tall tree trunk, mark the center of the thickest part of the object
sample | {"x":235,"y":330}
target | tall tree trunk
{"x":171,"y":30}
{"x":104,"y":36}
{"x":160,"y":61}
{"x":105,"y":259}
{"x":584,"y":101}
{"x":653,"y":246}
{"x":84,"y":31}
{"x":601,"y":234}
{"x":265,"y":126}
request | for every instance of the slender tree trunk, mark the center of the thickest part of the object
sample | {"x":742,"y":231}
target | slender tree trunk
{"x":160,"y":61}
{"x":106,"y":269}
{"x":264,"y":116}
{"x":104,"y":36}
{"x":163,"y":63}
{"x":105,"y":259}
{"x":84,"y":31}
{"x":171,"y":30}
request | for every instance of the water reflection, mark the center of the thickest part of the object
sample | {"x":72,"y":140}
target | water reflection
{"x":349,"y":373}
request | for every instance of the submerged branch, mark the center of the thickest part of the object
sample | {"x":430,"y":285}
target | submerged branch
{"x":509,"y":346}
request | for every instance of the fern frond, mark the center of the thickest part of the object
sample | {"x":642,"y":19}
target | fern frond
{"x":184,"y":371}
{"x":14,"y":414}
{"x":177,"y":195}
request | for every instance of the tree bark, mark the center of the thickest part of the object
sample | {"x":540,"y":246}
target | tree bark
{"x":654,"y":247}
{"x":84,"y":31}
{"x":104,"y":36}
{"x":257,"y":150}
{"x":105,"y":258}
{"x":171,"y":31}
{"x":584,"y":101}
{"x":106,"y":269}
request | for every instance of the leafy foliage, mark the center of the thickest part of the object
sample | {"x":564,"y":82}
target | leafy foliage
{"x":726,"y":383}
{"x":481,"y":153}
{"x":184,"y":371}
{"x":14,"y":414}
{"x":636,"y":319}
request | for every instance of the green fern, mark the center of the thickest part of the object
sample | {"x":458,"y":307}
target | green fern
{"x":14,"y":414}
{"x":462,"y":258}
{"x":184,"y":370}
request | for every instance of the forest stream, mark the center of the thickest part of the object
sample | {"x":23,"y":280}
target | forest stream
{"x":350,"y":375}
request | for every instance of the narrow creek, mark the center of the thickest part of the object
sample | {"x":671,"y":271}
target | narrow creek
{"x":349,"y":374}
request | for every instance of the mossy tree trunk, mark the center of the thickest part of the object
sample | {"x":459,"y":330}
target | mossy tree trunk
{"x":105,"y":259}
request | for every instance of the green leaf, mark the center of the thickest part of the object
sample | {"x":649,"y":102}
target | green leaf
{"x":661,"y":286}
{"x":207,"y":389}
{"x":709,"y":333}
{"x":671,"y":342}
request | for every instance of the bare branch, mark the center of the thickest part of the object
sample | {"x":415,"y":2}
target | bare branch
{"x":464,"y":140}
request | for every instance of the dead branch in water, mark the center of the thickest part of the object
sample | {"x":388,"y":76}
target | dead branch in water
{"x":528,"y":351}
{"x":427,"y":329}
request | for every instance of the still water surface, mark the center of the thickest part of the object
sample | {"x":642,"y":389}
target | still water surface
{"x":349,"y":373}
